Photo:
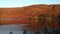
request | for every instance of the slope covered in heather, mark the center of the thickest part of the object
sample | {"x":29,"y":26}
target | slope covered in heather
{"x":23,"y":15}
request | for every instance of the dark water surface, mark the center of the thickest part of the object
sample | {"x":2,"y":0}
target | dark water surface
{"x":15,"y":29}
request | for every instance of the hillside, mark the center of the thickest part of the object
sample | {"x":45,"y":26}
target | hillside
{"x":29,"y":15}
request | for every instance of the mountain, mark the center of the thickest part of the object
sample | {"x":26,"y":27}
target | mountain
{"x":29,"y":15}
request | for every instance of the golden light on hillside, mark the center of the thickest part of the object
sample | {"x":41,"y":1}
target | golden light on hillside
{"x":37,"y":15}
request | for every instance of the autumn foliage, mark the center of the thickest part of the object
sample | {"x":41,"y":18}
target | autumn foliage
{"x":25,"y":15}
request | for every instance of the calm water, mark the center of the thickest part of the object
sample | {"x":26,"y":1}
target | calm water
{"x":15,"y":29}
{"x":18,"y":32}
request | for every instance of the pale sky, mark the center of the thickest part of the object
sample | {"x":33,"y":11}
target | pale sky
{"x":21,"y":3}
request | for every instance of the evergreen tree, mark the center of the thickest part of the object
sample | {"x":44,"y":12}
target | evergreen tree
{"x":38,"y":32}
{"x":24,"y":32}
{"x":10,"y":32}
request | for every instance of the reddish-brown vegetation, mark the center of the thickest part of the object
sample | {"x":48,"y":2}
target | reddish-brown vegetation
{"x":25,"y":13}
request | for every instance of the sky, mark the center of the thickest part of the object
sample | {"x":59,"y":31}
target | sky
{"x":22,"y":3}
